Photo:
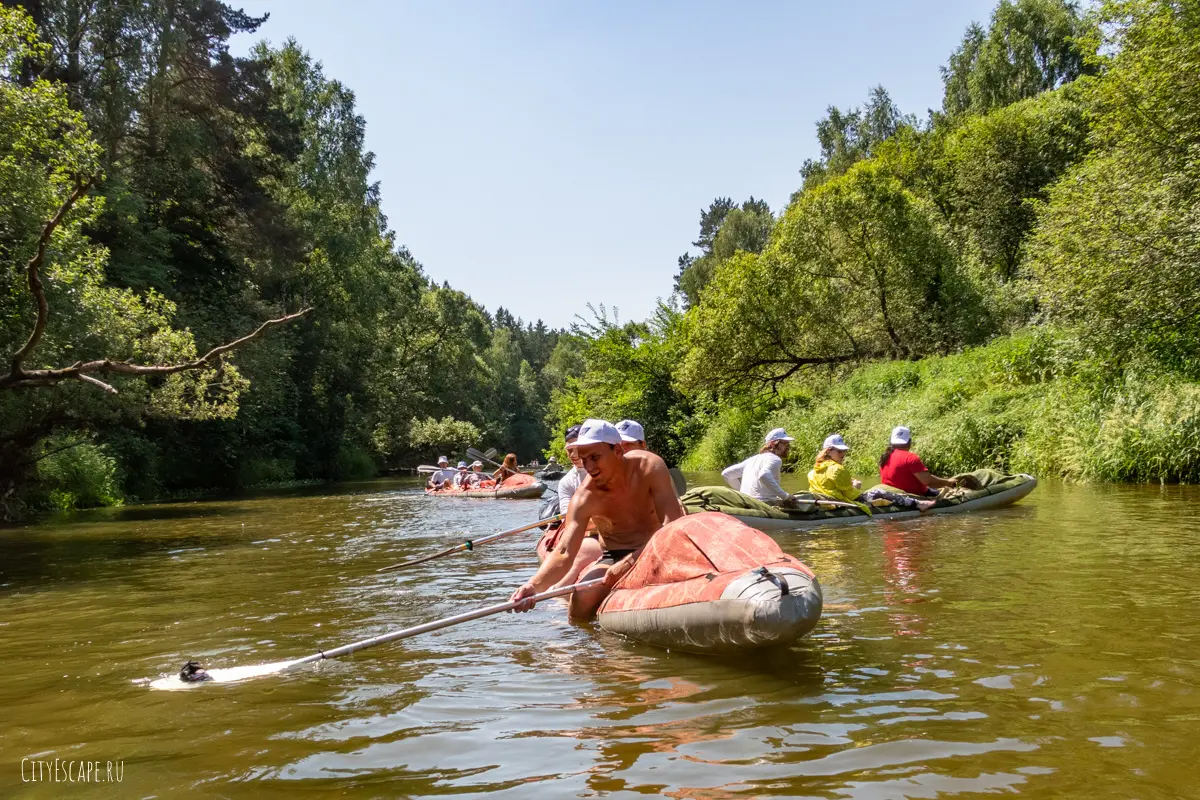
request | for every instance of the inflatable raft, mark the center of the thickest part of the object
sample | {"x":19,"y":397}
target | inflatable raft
{"x":515,"y":487}
{"x":992,"y":490}
{"x":707,"y":583}
{"x":550,"y":474}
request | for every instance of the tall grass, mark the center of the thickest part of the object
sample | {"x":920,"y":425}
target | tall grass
{"x":1032,"y":402}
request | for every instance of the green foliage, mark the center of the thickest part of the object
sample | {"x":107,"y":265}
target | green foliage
{"x":629,"y":374}
{"x":1002,"y":164}
{"x":1032,"y":402}
{"x":1031,"y":46}
{"x":725,"y":230}
{"x":847,"y":137}
{"x":78,"y":476}
{"x":445,"y":434}
{"x":858,"y":268}
{"x":1118,"y":244}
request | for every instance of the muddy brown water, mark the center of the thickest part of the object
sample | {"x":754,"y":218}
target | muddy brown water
{"x":1051,"y":649}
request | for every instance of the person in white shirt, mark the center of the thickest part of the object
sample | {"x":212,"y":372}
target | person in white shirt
{"x":569,"y":483}
{"x":758,"y":476}
{"x":633,"y":437}
{"x":444,"y":474}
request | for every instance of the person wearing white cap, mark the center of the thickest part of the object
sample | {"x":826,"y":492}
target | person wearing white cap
{"x":475,"y":476}
{"x":589,"y":550}
{"x":831,"y":479}
{"x":903,"y":469}
{"x":632,"y":435}
{"x":628,"y":495}
{"x":443,"y":476}
{"x":758,"y":475}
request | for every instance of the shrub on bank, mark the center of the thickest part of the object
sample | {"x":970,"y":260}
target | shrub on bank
{"x":1031,"y":402}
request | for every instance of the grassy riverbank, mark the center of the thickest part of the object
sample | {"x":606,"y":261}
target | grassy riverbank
{"x":1032,"y":402}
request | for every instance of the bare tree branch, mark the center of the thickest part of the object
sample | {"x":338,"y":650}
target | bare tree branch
{"x":33,"y":273}
{"x":19,"y":377}
{"x":83,"y":371}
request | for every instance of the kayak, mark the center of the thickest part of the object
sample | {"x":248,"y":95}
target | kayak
{"x":707,"y":583}
{"x":514,"y":487}
{"x":550,"y":474}
{"x":994,"y":490}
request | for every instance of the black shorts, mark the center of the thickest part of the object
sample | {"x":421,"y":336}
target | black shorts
{"x":611,"y":557}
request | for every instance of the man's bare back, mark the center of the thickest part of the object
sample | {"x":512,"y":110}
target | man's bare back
{"x":628,"y":496}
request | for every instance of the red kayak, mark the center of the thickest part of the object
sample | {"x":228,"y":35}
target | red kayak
{"x":708,"y":583}
{"x":515,"y":487}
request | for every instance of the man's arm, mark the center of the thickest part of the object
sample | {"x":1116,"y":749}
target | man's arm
{"x":929,"y":479}
{"x":559,"y":560}
{"x":770,"y":479}
{"x":733,"y":475}
{"x":662,"y":490}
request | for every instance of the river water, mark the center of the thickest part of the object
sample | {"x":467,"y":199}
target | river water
{"x":1051,"y":649}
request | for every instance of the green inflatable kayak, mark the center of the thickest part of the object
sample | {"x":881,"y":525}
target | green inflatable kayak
{"x":989,"y":489}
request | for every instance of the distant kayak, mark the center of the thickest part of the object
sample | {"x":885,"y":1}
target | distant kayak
{"x":515,"y":487}
{"x":707,"y":583}
{"x":550,"y":474}
{"x":994,"y":490}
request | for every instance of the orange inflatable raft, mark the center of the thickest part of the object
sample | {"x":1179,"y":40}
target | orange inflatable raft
{"x":515,"y":487}
{"x":707,"y":583}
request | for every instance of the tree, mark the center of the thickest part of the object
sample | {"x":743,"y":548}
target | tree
{"x":1117,"y":250}
{"x":1031,"y":46}
{"x":48,"y":163}
{"x":847,"y":137}
{"x":1001,"y":165}
{"x":857,"y":269}
{"x":725,"y":229}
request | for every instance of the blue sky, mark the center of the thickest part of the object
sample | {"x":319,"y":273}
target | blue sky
{"x":543,"y":154}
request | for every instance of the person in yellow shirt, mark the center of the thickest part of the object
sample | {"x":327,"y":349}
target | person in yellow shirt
{"x":830,"y":478}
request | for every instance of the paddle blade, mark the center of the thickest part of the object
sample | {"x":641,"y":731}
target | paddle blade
{"x":425,"y":468}
{"x":679,"y":481}
{"x":174,"y":683}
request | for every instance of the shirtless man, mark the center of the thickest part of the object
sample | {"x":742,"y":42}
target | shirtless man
{"x":628,"y":495}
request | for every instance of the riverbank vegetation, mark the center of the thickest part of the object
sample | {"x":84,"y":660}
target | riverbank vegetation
{"x":1015,"y":276}
{"x":198,"y":290}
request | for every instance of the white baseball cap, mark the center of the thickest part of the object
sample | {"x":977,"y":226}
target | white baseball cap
{"x":476,"y":463}
{"x":778,"y":435}
{"x":631,"y":431}
{"x":901,"y":435}
{"x":836,"y":441}
{"x":596,"y":431}
{"x":443,"y":460}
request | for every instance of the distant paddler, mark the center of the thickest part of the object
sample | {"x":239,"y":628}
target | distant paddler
{"x":507,"y":469}
{"x":758,"y":476}
{"x":628,"y":495}
{"x":444,"y":475}
{"x":831,"y":479}
{"x":900,"y":467}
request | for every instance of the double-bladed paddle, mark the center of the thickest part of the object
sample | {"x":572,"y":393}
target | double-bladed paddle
{"x":230,"y":674}
{"x":471,"y":544}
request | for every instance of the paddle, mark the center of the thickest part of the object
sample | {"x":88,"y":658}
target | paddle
{"x":426,"y":469}
{"x":471,"y":544}
{"x":679,"y":481}
{"x":473,"y":453}
{"x":231,"y":674}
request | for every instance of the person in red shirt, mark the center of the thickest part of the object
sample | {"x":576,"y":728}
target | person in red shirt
{"x":903,"y":469}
